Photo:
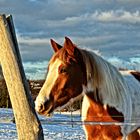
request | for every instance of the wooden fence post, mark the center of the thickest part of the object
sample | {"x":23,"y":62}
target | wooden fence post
{"x":27,"y":122}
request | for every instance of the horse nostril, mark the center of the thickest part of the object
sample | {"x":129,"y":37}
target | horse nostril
{"x":44,"y":106}
{"x":41,"y":108}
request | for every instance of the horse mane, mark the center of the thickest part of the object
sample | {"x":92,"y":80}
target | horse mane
{"x":107,"y":80}
{"x":103,"y":80}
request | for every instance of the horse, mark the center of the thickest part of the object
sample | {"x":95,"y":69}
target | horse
{"x":110,"y":107}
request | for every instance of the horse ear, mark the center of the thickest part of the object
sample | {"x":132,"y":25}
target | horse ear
{"x":55,"y":45}
{"x":76,"y":55}
{"x":69,"y":46}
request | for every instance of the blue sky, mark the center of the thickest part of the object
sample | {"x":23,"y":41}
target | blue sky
{"x":110,"y":26}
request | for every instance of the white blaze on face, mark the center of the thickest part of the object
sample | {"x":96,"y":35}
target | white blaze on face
{"x":52,"y":75}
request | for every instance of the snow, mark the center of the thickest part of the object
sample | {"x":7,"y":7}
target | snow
{"x":61,"y":126}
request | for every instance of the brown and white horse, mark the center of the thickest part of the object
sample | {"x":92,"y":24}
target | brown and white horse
{"x":111,"y":104}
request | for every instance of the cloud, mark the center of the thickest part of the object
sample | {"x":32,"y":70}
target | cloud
{"x":132,"y":63}
{"x":33,"y":41}
{"x":42,"y":14}
{"x":120,"y":16}
{"x":34,"y":49}
{"x":35,"y":70}
{"x":134,"y":2}
{"x":110,"y":39}
{"x":106,"y":25}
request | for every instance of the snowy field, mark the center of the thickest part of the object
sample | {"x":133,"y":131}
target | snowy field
{"x":59,"y":127}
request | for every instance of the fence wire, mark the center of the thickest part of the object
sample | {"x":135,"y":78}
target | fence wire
{"x":61,"y":126}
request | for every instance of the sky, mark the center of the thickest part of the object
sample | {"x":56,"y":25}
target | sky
{"x":110,"y":26}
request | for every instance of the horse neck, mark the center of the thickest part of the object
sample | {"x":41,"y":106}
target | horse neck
{"x":106,"y":79}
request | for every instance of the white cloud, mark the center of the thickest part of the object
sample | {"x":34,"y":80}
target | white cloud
{"x":119,"y":16}
{"x":132,"y":63}
{"x":33,"y":41}
{"x":36,"y":41}
{"x":111,"y":26}
{"x":79,"y":41}
{"x":35,"y":70}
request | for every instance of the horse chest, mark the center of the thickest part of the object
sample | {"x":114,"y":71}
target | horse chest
{"x":94,"y":113}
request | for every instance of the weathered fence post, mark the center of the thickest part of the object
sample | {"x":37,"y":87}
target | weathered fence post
{"x":27,"y":122}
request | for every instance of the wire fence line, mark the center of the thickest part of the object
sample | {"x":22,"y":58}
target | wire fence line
{"x":61,"y":126}
{"x":91,"y":123}
{"x":73,"y":132}
{"x":74,"y":122}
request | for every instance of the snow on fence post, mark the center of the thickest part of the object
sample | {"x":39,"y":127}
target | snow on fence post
{"x":27,"y":122}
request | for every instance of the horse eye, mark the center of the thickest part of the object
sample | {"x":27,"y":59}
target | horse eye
{"x":63,"y":70}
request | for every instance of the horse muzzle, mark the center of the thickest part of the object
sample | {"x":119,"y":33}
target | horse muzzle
{"x":44,"y":108}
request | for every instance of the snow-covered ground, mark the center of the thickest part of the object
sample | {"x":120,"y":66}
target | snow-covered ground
{"x":62,"y":126}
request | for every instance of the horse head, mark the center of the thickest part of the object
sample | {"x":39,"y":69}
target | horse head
{"x":65,"y":78}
